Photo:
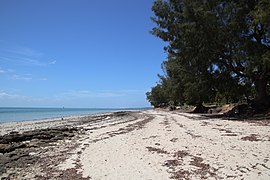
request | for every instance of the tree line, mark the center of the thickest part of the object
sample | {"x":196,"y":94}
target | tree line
{"x":218,"y":51}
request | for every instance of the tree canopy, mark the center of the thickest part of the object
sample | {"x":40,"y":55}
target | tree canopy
{"x":217,"y":50}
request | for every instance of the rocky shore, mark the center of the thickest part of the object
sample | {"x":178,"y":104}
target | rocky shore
{"x":136,"y":145}
{"x":25,"y":153}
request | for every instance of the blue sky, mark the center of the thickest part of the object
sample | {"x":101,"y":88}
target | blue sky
{"x":77,"y":53}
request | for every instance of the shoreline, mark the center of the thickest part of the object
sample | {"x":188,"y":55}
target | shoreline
{"x":19,"y":126}
{"x":53,"y":113}
{"x":146,"y":144}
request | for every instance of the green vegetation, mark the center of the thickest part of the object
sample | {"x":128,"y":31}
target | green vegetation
{"x":218,"y":51}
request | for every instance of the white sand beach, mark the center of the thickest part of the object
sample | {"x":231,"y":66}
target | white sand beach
{"x":153,"y":145}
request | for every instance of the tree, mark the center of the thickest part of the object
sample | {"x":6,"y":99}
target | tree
{"x":157,"y":97}
{"x":213,"y":40}
{"x":173,"y":86}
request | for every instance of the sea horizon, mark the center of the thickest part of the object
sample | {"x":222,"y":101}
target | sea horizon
{"x":18,"y":114}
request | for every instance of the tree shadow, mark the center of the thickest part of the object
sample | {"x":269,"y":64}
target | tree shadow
{"x":214,"y":117}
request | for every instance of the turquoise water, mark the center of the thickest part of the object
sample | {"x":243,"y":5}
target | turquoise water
{"x":24,"y":114}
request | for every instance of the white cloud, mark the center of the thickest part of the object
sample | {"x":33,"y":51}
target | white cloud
{"x":24,"y":56}
{"x":132,"y":91}
{"x":10,"y":95}
{"x":25,"y":51}
{"x":25,"y":77}
{"x":43,"y":79}
{"x":93,"y":94}
{"x":21,"y":60}
{"x":52,"y":62}
{"x":10,"y":70}
{"x":2,"y":70}
{"x":101,"y":94}
{"x":78,"y":98}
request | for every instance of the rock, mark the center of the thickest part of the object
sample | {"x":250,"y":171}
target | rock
{"x":4,"y":176}
{"x":15,"y":137}
{"x":3,"y":160}
{"x":56,"y":138}
{"x":3,"y":147}
{"x":20,"y":150}
{"x":6,"y":148}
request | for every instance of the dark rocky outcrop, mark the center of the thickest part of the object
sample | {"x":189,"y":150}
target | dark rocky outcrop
{"x":16,"y":148}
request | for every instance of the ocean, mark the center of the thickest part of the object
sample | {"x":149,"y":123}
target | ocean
{"x":8,"y":114}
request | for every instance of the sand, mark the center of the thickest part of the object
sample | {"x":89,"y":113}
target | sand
{"x":159,"y":145}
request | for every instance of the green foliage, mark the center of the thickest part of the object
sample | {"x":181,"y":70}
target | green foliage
{"x":157,"y":97}
{"x":217,"y":49}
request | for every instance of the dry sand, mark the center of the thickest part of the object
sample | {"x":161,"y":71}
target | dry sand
{"x":158,"y":145}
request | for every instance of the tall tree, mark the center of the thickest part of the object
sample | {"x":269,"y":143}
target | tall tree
{"x":217,"y":39}
{"x":157,"y":97}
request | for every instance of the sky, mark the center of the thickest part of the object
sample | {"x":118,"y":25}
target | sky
{"x":77,"y":53}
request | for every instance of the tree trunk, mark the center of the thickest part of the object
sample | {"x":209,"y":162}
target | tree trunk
{"x":261,"y":85}
{"x":262,"y":101}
